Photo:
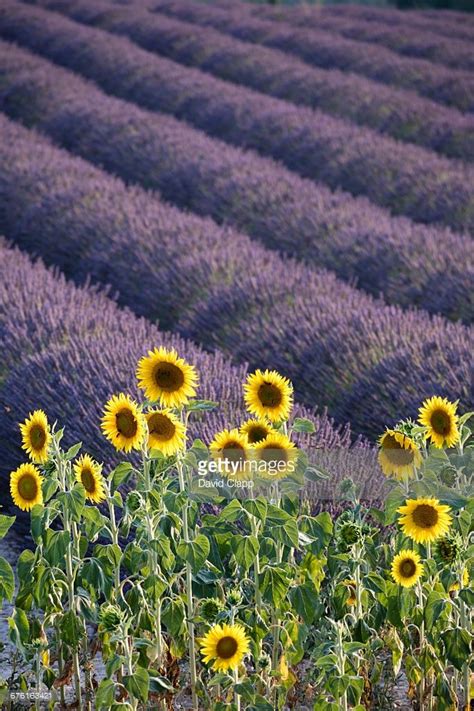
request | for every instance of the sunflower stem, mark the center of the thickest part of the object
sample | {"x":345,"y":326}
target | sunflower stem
{"x":152,"y":556}
{"x":236,"y":695}
{"x":59,"y":647}
{"x":466,"y":672}
{"x":38,"y":679}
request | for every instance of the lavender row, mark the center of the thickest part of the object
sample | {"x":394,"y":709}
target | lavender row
{"x":69,"y":349}
{"x":447,"y":86}
{"x":411,"y":264}
{"x":219,"y":288}
{"x":408,"y":179}
{"x":403,"y":115}
{"x":405,"y":39}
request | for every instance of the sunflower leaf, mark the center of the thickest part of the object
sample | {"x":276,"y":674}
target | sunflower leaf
{"x":5,"y":523}
{"x":303,"y":425}
{"x":195,"y":552}
{"x":7,"y":580}
{"x":73,"y":451}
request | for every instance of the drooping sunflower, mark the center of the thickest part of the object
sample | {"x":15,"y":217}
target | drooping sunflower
{"x":226,"y":645}
{"x":123,"y":423}
{"x":465,"y":581}
{"x":36,"y":436}
{"x":424,"y":520}
{"x":25,"y":487}
{"x":351,"y":588}
{"x":167,"y":378}
{"x":268,"y":394}
{"x":89,"y":473}
{"x":279,"y":454}
{"x":229,"y":449}
{"x":165,"y":432}
{"x":398,"y":454}
{"x":439,"y":417}
{"x":407,"y":568}
{"x":255,"y":430}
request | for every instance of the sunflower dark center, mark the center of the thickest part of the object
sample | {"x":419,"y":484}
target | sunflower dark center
{"x":441,"y":422}
{"x":233,"y":451}
{"x":168,"y":377}
{"x":269,"y":395}
{"x":273,"y":453}
{"x":161,"y":427}
{"x":395,"y":453}
{"x":227,"y":647}
{"x":425,"y":516}
{"x":88,"y":480}
{"x":28,"y":487}
{"x":37,"y":437}
{"x":126,"y":423}
{"x":407,"y":568}
{"x":256,"y":434}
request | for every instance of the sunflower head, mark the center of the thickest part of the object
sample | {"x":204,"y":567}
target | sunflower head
{"x":165,"y":432}
{"x":211,"y":607}
{"x":398,"y":455}
{"x":255,"y":430}
{"x":229,"y":449}
{"x":352,"y":592}
{"x":25,"y":487}
{"x":225,"y":646}
{"x":448,"y":548}
{"x":349,"y":533}
{"x":279,"y":455}
{"x":89,"y":473}
{"x":269,"y":395}
{"x":123,"y":423}
{"x":424,"y":520}
{"x":407,"y":568}
{"x":36,"y":436}
{"x":438,"y":416}
{"x":167,"y":378}
{"x":464,"y":582}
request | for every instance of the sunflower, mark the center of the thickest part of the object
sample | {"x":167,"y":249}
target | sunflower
{"x":36,"y":436}
{"x":439,"y":417}
{"x":226,"y":645}
{"x":123,"y":423}
{"x":351,"y":588}
{"x":165,"y":432}
{"x":230,"y":450}
{"x":398,"y":454}
{"x":269,"y":395}
{"x":89,"y":473}
{"x":279,"y":454}
{"x":407,"y":568}
{"x":465,"y":581}
{"x":25,"y":487}
{"x":255,"y":430}
{"x":424,"y":520}
{"x":167,"y":378}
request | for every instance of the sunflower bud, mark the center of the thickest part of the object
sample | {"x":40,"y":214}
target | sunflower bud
{"x":349,"y":533}
{"x":110,"y":617}
{"x":448,"y":476}
{"x":210,"y":608}
{"x":448,"y":549}
{"x":264,"y":661}
{"x":234,"y":597}
{"x":134,"y":501}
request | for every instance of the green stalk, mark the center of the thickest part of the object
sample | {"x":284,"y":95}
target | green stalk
{"x":341,"y":663}
{"x":466,"y":673}
{"x":189,"y":593}
{"x":236,"y":695}
{"x":59,"y":646}
{"x":152,"y":558}
{"x":358,"y":585}
{"x":129,"y":662}
{"x":38,"y":679}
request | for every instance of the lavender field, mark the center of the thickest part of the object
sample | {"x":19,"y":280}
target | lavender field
{"x":257,"y":187}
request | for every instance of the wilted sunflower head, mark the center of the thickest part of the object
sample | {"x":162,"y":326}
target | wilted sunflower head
{"x":225,"y":646}
{"x":278,"y":454}
{"x":167,"y":378}
{"x":123,"y":423}
{"x":229,"y":449}
{"x":255,"y":430}
{"x":36,"y":436}
{"x":25,"y":487}
{"x":89,"y":473}
{"x":424,"y":520}
{"x":110,"y":617}
{"x":398,"y":454}
{"x":440,"y":420}
{"x":165,"y":432}
{"x":407,"y":568}
{"x":268,"y":395}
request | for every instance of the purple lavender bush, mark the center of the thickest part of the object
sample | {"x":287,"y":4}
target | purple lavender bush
{"x":410,"y":264}
{"x":408,"y":179}
{"x":215,"y":284}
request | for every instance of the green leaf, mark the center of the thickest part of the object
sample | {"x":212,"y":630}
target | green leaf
{"x":305,"y":601}
{"x":457,"y":643}
{"x":257,"y":508}
{"x":301,"y":424}
{"x":435,"y":604}
{"x":274,"y":584}
{"x":201,"y":405}
{"x":25,"y":564}
{"x":245,"y":549}
{"x":121,"y":474}
{"x":195,"y":552}
{"x":467,"y":594}
{"x":173,"y":616}
{"x":105,"y":694}
{"x":71,"y":629}
{"x":7,"y":581}
{"x":73,"y":451}
{"x":394,"y":500}
{"x":155,"y":586}
{"x":286,"y":534}
{"x":5,"y":523}
{"x":138,"y":684}
{"x":94,"y":521}
{"x":56,"y":545}
{"x":36,"y":521}
{"x":74,"y":501}
{"x":159,"y":684}
{"x":232,"y":512}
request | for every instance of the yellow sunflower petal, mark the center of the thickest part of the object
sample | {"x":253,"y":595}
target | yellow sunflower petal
{"x":424,"y":520}
{"x":165,"y":432}
{"x":277,"y":455}
{"x":255,"y":430}
{"x":229,"y":449}
{"x":407,"y":568}
{"x":439,"y":417}
{"x":123,"y":424}
{"x":268,"y":394}
{"x":398,"y":455}
{"x":36,"y":436}
{"x":167,"y":378}
{"x":25,"y":487}
{"x":89,"y":473}
{"x":225,"y":645}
